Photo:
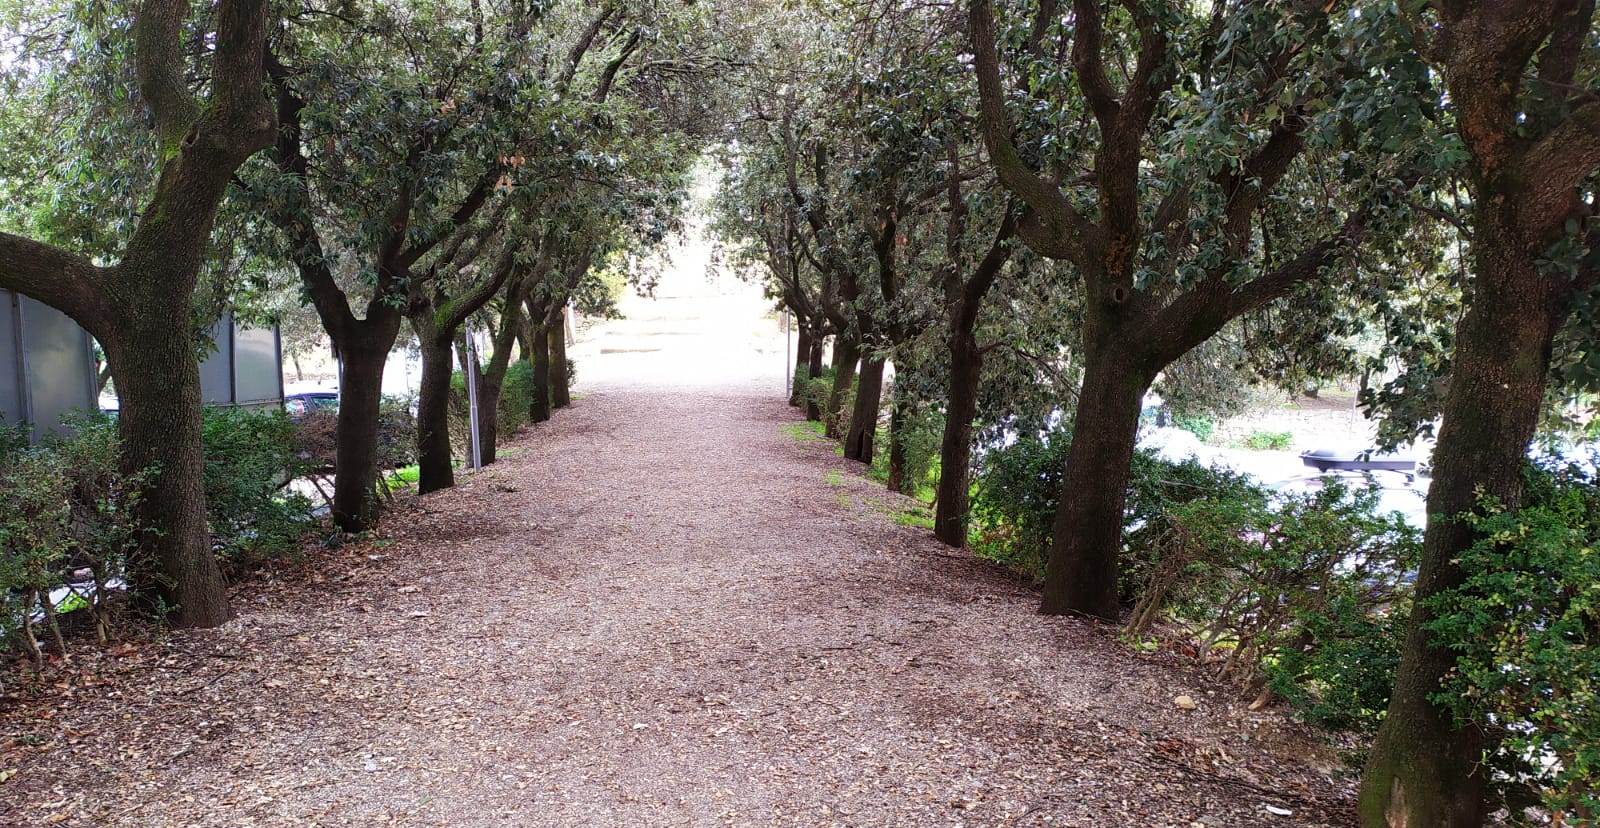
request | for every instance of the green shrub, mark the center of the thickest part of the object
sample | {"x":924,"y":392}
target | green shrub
{"x":921,"y":435}
{"x":1199,"y":425}
{"x":1017,"y":488}
{"x":250,"y":458}
{"x":70,"y":519}
{"x":397,"y":432}
{"x":1293,"y":593}
{"x":516,"y":398}
{"x":1525,"y":625}
{"x":1262,"y":440}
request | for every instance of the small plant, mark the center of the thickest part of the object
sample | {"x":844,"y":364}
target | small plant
{"x":1263,"y":440}
{"x":251,"y":456}
{"x":1199,"y":425}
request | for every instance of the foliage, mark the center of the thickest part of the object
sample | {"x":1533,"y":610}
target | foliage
{"x":1264,"y":440}
{"x":250,"y":458}
{"x":1297,"y":592}
{"x":1525,"y":625}
{"x":70,"y":520}
{"x":1200,"y":425}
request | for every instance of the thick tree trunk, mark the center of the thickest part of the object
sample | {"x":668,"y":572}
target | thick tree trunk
{"x":955,"y":448}
{"x":1081,"y":574}
{"x":356,"y":456}
{"x":539,"y":409}
{"x":846,"y":353}
{"x":802,"y":363}
{"x":899,"y":420}
{"x":814,"y":369}
{"x":158,"y":386}
{"x":435,"y":467}
{"x":560,"y":388}
{"x":1424,"y":771}
{"x":488,"y":419}
{"x":864,"y":417}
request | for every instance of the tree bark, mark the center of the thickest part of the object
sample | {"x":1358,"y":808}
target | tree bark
{"x":356,"y":456}
{"x":158,"y":386}
{"x":560,"y":388}
{"x":864,"y":417}
{"x":814,"y":369}
{"x":955,"y":447}
{"x":802,"y":363}
{"x":1424,"y":768}
{"x":899,"y":420}
{"x":539,"y":409}
{"x":435,"y":464}
{"x":846,"y":353}
{"x":1081,"y":573}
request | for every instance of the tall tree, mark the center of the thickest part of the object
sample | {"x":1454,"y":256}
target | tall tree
{"x":1191,"y":143}
{"x":139,"y":307}
{"x":1523,"y":95}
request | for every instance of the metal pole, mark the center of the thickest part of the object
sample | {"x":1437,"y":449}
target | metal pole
{"x":475,"y":451}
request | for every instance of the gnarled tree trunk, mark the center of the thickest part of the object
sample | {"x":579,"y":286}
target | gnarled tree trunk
{"x":560,"y":387}
{"x":435,"y":463}
{"x":539,"y":408}
{"x":864,"y":416}
{"x":361,"y":361}
{"x":955,"y":447}
{"x":802,"y":363}
{"x":158,"y":388}
{"x":846,"y":353}
{"x":813,"y":369}
{"x":1081,"y":574}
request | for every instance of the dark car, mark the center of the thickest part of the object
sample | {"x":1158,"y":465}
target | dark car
{"x":299,"y":405}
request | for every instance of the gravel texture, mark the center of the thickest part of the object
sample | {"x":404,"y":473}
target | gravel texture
{"x":655,"y":611}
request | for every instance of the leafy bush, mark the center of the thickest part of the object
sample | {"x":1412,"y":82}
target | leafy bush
{"x":1018,"y":486}
{"x":1292,"y":593}
{"x":250,"y":458}
{"x":70,"y":520}
{"x":1262,"y":440}
{"x":516,"y":398}
{"x":921,"y":435}
{"x":397,"y":432}
{"x":1525,"y":624}
{"x":1199,"y":425}
{"x":1014,"y":500}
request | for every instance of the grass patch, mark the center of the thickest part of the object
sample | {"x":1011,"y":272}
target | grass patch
{"x":834,"y":477}
{"x":804,"y":432}
{"x":917,"y":516}
{"x":406,"y":474}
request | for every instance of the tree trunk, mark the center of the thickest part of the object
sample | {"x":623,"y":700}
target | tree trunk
{"x":1424,"y":771}
{"x":802,"y":363}
{"x":356,"y":455}
{"x":955,"y":448}
{"x":560,"y":388}
{"x":1081,"y":574}
{"x":158,"y":386}
{"x":435,"y":467}
{"x":846,"y":353}
{"x":899,"y":420}
{"x":814,"y":369}
{"x":864,"y":416}
{"x":488,"y":418}
{"x":539,"y":409}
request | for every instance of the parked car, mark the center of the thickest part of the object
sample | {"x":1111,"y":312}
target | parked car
{"x":299,"y":405}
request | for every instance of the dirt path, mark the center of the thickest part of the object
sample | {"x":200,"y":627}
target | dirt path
{"x":656,"y":611}
{"x":660,"y":609}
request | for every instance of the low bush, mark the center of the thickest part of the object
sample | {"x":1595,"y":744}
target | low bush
{"x":69,"y":527}
{"x":1260,"y":587}
{"x":1017,"y":488}
{"x":251,"y":456}
{"x":1263,"y":440}
{"x":1199,"y":425}
{"x":516,"y":399}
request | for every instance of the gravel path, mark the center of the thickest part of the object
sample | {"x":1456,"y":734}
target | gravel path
{"x":660,"y":609}
{"x":655,"y":611}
